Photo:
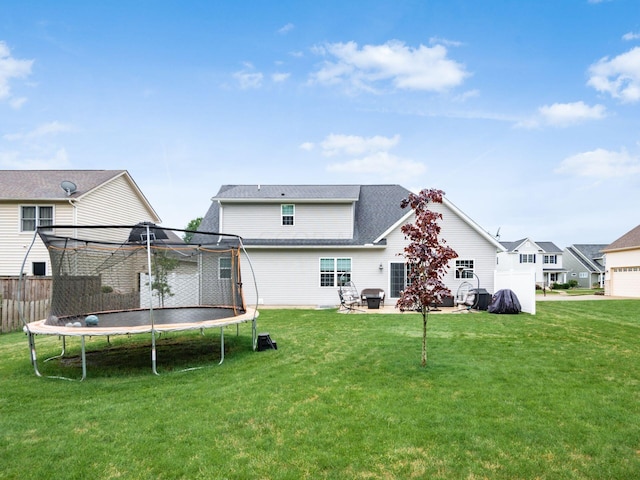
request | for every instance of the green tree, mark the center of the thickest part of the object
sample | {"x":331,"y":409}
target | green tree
{"x":427,"y":259}
{"x":192,"y":226}
{"x":162,"y":264}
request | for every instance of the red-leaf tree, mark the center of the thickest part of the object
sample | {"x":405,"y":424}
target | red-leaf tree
{"x":427,"y":259}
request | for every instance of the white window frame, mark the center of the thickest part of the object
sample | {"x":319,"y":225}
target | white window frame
{"x":37,"y":221}
{"x":331,"y":269}
{"x":469,"y":268}
{"x":225,"y":268}
{"x":551,"y":259}
{"x":527,"y":258}
{"x":287,"y":217}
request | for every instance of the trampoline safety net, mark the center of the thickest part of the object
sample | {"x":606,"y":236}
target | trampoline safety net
{"x":122,"y":268}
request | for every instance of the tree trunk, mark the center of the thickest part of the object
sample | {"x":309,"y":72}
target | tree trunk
{"x":425,"y":314}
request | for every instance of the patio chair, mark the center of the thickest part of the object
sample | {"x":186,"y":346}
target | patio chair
{"x":372,"y":293}
{"x":465,"y":297}
{"x":349,"y":297}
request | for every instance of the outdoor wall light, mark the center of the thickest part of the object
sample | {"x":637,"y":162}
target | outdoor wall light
{"x":380,"y":266}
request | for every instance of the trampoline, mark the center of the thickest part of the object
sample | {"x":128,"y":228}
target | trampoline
{"x":141,"y":279}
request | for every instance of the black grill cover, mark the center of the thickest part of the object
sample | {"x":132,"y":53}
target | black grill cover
{"x":504,"y":301}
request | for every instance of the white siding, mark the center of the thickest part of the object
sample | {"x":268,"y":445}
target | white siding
{"x":312,"y":221}
{"x":626,"y":281}
{"x":292,"y":277}
{"x":467,"y":243}
{"x":14,"y":243}
{"x":114,"y":203}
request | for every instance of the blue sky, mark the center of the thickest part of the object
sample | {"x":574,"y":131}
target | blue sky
{"x":526,"y":113}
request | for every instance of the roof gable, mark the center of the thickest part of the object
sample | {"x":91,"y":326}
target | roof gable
{"x":46,"y":184}
{"x":629,"y":240}
{"x":589,"y":255}
{"x":546,"y":247}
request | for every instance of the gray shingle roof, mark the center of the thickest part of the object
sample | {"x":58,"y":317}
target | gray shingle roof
{"x":589,"y":255}
{"x":45,"y":184}
{"x":547,"y":247}
{"x":377,"y":208}
{"x":291,"y":192}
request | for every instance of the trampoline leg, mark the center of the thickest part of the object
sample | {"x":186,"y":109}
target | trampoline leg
{"x":153,"y":352}
{"x":64,"y":347}
{"x":254,"y":334}
{"x":221,"y":345}
{"x":84,"y":359}
{"x":34,"y":357}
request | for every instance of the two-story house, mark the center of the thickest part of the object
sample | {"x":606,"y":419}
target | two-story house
{"x":30,"y":198}
{"x":585,"y":264}
{"x":622,"y":265}
{"x":304,"y":239}
{"x":544,"y":258}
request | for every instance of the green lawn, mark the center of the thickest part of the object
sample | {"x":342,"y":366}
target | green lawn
{"x":551,"y":396}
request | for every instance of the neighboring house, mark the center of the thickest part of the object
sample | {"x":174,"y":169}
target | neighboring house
{"x":304,"y":239}
{"x":622,"y":265}
{"x":585,"y":264}
{"x":545,"y":258}
{"x":30,"y":198}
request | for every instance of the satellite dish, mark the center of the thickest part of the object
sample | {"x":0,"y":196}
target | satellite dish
{"x":68,"y":187}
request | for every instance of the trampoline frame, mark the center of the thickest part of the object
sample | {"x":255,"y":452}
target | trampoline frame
{"x":40,"y":327}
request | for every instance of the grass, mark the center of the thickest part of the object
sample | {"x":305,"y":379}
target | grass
{"x":551,"y":396}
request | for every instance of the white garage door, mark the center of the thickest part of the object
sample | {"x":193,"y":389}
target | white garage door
{"x":625,"y":282}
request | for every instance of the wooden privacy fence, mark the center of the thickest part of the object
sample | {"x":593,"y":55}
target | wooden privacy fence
{"x":10,"y":313}
{"x":35,"y":296}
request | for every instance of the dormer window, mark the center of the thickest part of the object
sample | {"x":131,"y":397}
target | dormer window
{"x":288,"y":212}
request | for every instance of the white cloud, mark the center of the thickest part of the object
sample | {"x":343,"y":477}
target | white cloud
{"x":421,"y":68}
{"x":563,"y":114}
{"x":50,"y":128}
{"x":356,"y":145}
{"x":631,"y":36}
{"x":618,"y":76}
{"x":15,"y":160}
{"x":445,"y":42}
{"x":11,"y":68}
{"x":383,"y":165}
{"x":286,"y":29}
{"x":17,"y":102}
{"x":248,"y":80}
{"x":280,"y":77}
{"x":368,"y":156}
{"x":600,"y":163}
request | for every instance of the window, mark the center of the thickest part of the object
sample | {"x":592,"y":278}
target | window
{"x":39,"y":269}
{"x":584,"y":274}
{"x":287,"y":214}
{"x":224,"y":270}
{"x":33,"y":216}
{"x":399,"y":278}
{"x":334,"y":271}
{"x":550,"y":259}
{"x":464,"y":268}
{"x":527,"y":258}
